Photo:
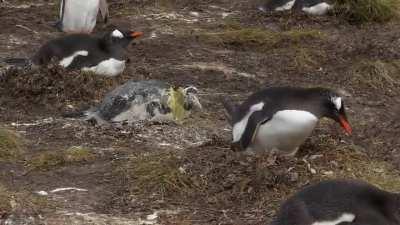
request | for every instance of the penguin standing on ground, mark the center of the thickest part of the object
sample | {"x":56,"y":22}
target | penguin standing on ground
{"x":281,"y":118}
{"x":103,"y":55}
{"x":79,"y":16}
{"x":311,"y":7}
{"x":340,"y":202}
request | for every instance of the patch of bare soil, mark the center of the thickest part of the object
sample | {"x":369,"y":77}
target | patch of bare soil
{"x":72,"y":172}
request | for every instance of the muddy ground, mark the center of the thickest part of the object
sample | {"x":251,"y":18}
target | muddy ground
{"x":167,"y":173}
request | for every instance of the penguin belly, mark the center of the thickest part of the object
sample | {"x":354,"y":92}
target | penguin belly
{"x":285,"y":132}
{"x":80,"y":16}
{"x":318,"y":10}
{"x":110,"y":67}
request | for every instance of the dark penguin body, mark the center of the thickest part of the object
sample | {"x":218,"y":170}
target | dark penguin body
{"x":312,"y":7}
{"x":340,"y":202}
{"x":104,"y":55}
{"x":281,"y":118}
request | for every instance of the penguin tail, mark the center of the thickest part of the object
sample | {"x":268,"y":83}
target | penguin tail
{"x":17,"y":62}
{"x":230,"y":109}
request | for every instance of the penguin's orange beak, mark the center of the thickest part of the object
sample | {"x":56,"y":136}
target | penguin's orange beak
{"x":136,"y":34}
{"x":345,"y":124}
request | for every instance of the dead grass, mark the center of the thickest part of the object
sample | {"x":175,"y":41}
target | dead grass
{"x":260,"y":39}
{"x":5,"y":197}
{"x":377,"y":74}
{"x":11,"y":146}
{"x":50,"y":159}
{"x":361,"y":11}
{"x":158,"y":173}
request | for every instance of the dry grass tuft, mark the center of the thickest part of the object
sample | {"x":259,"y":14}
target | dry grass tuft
{"x":11,"y":146}
{"x":377,"y":74}
{"x":361,"y":11}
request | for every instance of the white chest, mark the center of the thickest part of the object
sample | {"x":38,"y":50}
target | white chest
{"x":286,"y":6}
{"x":318,"y":10}
{"x":80,"y":16}
{"x":285,"y":132}
{"x":110,"y":67}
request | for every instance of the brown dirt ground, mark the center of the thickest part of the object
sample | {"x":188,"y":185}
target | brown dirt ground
{"x":187,"y":172}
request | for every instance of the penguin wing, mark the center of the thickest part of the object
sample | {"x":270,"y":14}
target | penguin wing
{"x":256,"y":119}
{"x":79,"y":62}
{"x":104,"y":10}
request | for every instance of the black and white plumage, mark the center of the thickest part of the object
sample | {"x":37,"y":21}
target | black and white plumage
{"x":103,"y":55}
{"x":340,"y":202}
{"x":312,"y":7}
{"x":143,"y":100}
{"x":77,"y":16}
{"x":281,"y":118}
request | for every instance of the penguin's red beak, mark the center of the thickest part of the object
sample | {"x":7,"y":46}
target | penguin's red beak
{"x":136,"y":34}
{"x":345,"y":124}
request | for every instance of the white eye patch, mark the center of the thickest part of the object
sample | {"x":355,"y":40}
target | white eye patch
{"x":117,"y":34}
{"x":337,"y":101}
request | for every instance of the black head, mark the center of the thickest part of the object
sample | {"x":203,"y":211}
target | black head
{"x":333,"y":107}
{"x":120,"y":37}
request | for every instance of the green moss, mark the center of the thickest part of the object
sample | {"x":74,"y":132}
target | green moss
{"x":261,"y":38}
{"x":158,"y":173}
{"x":78,"y":154}
{"x":377,"y":74}
{"x":47,"y":160}
{"x":361,"y":11}
{"x":11,"y":146}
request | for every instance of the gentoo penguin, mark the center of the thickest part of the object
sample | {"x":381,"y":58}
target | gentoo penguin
{"x":281,"y":118}
{"x":103,"y":55}
{"x":340,"y":202}
{"x":77,"y":16}
{"x":145,"y":100}
{"x":312,"y":7}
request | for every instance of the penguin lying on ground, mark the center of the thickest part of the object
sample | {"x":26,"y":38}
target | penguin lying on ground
{"x":281,"y":118}
{"x":103,"y":55}
{"x":77,"y":16}
{"x":312,"y":7}
{"x":340,"y":202}
{"x":145,"y":100}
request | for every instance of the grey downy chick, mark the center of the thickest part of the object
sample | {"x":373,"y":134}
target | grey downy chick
{"x":145,"y":100}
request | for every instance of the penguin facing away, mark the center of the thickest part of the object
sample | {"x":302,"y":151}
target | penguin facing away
{"x":77,"y":16}
{"x":340,"y":202}
{"x":144,"y":100}
{"x":103,"y":55}
{"x":281,"y":118}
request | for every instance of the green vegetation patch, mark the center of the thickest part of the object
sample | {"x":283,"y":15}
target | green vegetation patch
{"x":11,"y":146}
{"x":261,"y":38}
{"x":158,"y":173}
{"x":361,"y":11}
{"x":50,"y":159}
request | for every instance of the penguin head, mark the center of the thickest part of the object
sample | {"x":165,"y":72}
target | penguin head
{"x":121,"y":37}
{"x":333,"y":107}
{"x":191,"y":99}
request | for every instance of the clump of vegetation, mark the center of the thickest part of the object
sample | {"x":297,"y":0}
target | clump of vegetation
{"x":11,"y":146}
{"x":261,"y":38}
{"x":360,"y":11}
{"x":5,"y":198}
{"x":48,"y":160}
{"x":378,"y":74}
{"x":158,"y":173}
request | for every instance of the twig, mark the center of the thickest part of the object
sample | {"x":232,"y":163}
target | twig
{"x":27,"y":28}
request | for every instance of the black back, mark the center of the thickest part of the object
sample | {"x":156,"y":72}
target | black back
{"x":99,"y":48}
{"x":314,"y":100}
{"x":299,"y":4}
{"x":328,"y":200}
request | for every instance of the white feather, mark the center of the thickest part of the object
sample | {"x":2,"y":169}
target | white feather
{"x":345,"y":217}
{"x":286,"y":6}
{"x":337,"y":101}
{"x":110,"y":67}
{"x":80,"y":16}
{"x":318,"y":10}
{"x":117,"y":34}
{"x":65,"y":62}
{"x":239,"y":127}
{"x":285,"y":131}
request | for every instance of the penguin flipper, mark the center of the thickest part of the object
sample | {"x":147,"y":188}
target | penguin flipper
{"x":256,"y":119}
